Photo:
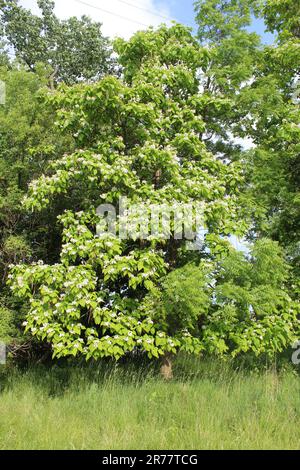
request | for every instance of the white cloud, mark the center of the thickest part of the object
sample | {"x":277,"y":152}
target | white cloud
{"x":113,"y":18}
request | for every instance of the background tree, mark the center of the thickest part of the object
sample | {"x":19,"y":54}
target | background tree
{"x":223,"y":27}
{"x":28,"y":142}
{"x":252,"y":309}
{"x":237,"y":304}
{"x":259,"y":84}
{"x":271,"y":118}
{"x":4,"y":58}
{"x":282,"y":16}
{"x":74,"y":48}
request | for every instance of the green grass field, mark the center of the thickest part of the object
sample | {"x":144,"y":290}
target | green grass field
{"x":210,"y":407}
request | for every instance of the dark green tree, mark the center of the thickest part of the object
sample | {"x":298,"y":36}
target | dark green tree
{"x":223,"y":30}
{"x":74,"y":48}
{"x":261,"y":87}
{"x":270,"y":116}
{"x":28,"y":141}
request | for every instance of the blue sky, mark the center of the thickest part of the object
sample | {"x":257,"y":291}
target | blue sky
{"x":184,"y":11}
{"x":124,"y":17}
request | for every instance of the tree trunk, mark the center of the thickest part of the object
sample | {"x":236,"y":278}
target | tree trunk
{"x":166,"y":368}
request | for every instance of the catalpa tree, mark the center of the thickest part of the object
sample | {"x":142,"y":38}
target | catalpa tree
{"x":141,"y":136}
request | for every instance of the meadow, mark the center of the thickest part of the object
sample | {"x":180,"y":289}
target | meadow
{"x":209,"y":405}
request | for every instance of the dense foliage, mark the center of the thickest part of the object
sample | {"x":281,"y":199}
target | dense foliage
{"x":27,"y":143}
{"x":210,"y":120}
{"x":140,"y":138}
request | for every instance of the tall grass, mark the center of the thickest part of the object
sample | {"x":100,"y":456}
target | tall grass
{"x":209,"y":406}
